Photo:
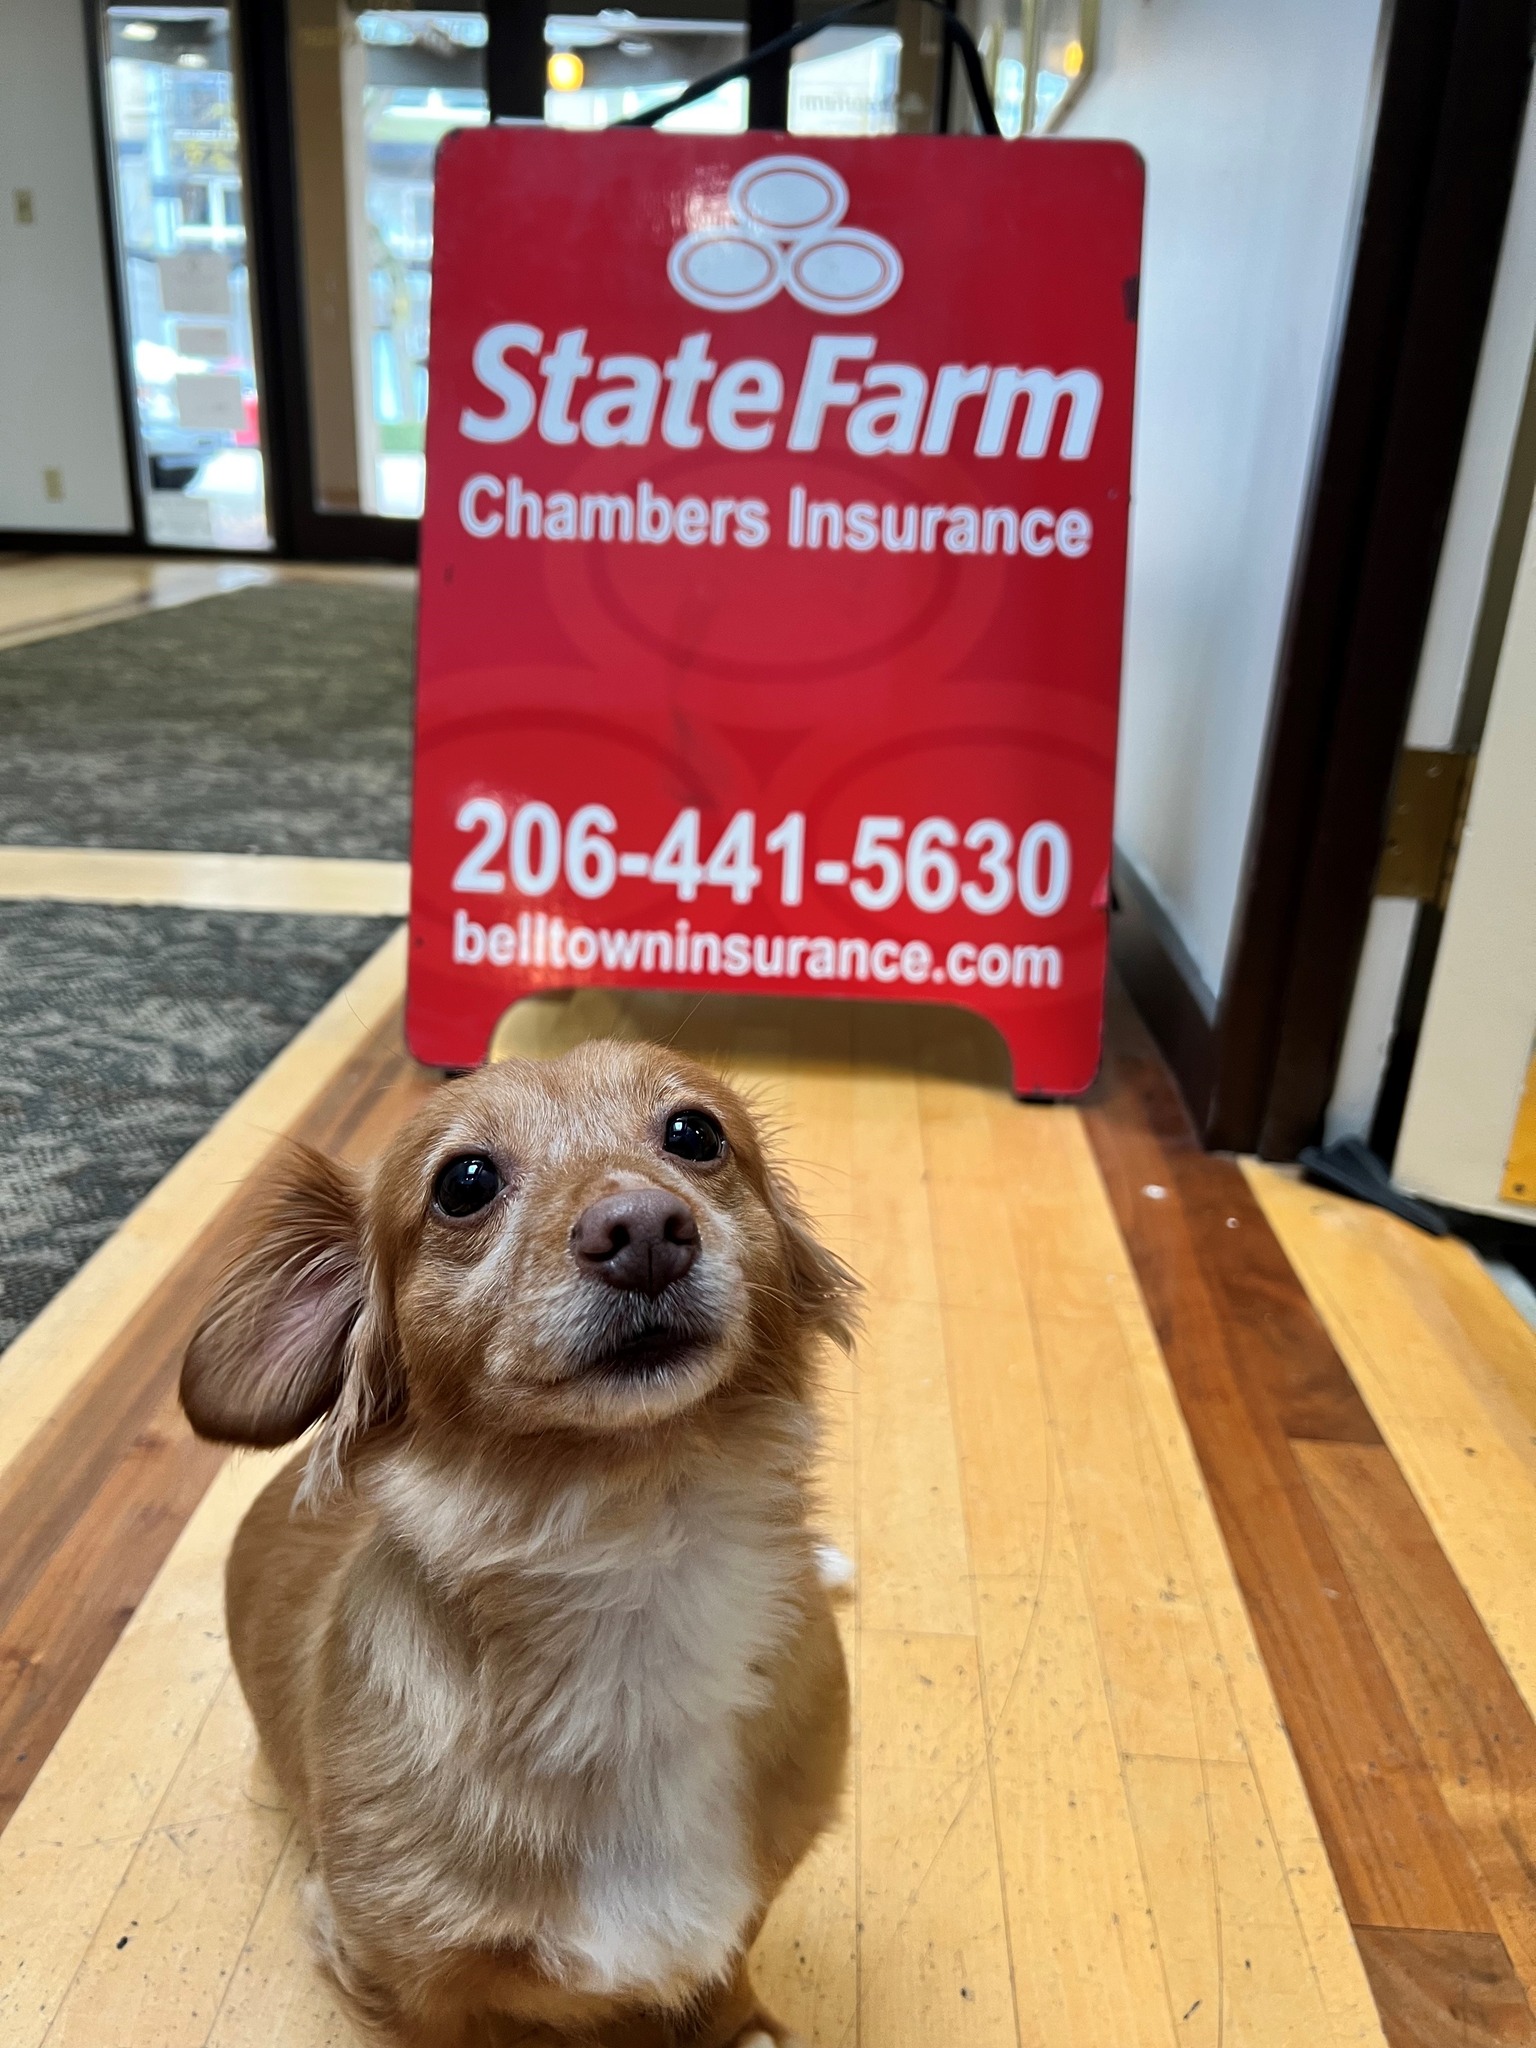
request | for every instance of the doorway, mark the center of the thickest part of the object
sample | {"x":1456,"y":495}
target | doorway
{"x":171,"y":104}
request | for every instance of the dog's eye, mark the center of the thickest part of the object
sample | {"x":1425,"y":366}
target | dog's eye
{"x":694,"y":1136}
{"x":466,"y":1185}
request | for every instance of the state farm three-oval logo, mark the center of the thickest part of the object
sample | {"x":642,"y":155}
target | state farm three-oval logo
{"x":787,"y":233}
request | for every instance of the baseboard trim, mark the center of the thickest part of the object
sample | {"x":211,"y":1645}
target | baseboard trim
{"x":1165,"y":986}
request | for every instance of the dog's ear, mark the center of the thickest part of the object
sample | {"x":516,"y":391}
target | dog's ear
{"x":296,"y":1332}
{"x":826,"y":1293}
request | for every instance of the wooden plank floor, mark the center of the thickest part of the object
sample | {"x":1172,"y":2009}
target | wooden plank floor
{"x":206,"y":881}
{"x":1416,"y":1746}
{"x":1194,"y":1521}
{"x":44,"y":595}
{"x":1448,"y":1369}
{"x":1437,"y":1527}
{"x":1075,"y":1816}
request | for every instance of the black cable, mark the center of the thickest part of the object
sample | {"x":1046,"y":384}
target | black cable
{"x":956,"y":36}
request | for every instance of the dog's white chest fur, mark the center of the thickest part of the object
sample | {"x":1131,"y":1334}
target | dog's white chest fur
{"x":674,"y":1620}
{"x":624,"y":1707}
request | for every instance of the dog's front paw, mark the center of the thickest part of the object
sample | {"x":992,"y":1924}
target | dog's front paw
{"x":758,"y":2035}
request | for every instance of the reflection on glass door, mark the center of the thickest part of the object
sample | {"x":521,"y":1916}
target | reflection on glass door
{"x":608,"y":67}
{"x":1040,"y":61}
{"x":844,"y":81}
{"x":172,"y":112}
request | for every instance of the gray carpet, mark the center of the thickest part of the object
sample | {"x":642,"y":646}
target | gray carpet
{"x":269,"y":721}
{"x":123,"y":1035}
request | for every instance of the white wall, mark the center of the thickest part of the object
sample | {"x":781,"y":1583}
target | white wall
{"x":59,"y":407}
{"x":1255,"y":121}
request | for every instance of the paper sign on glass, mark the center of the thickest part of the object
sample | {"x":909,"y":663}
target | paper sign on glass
{"x":209,"y":344}
{"x":195,"y":281}
{"x":210,"y":404}
{"x":772,"y":575}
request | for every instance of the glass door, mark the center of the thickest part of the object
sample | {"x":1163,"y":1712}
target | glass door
{"x":172,"y":109}
{"x":375,"y":90}
{"x":421,"y":76}
{"x":614,"y":64}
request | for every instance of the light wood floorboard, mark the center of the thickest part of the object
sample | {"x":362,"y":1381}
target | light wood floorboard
{"x":45,"y":595}
{"x":206,"y":881}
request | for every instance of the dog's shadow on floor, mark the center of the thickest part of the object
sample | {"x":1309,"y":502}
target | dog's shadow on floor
{"x":928,"y":1039}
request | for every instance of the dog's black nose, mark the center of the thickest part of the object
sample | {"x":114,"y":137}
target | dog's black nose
{"x":640,"y":1239}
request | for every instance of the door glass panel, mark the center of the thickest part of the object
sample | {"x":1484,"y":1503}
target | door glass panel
{"x":1063,"y":47}
{"x":608,"y":67}
{"x":1010,"y":78}
{"x":375,"y":91}
{"x":172,"y":113}
{"x":843,"y":82}
{"x":424,"y":75}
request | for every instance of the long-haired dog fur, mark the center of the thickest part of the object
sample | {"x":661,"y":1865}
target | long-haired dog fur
{"x":533,"y":1631}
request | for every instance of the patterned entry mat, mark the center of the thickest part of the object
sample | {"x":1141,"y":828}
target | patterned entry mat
{"x":275,"y":720}
{"x":124,"y":1033}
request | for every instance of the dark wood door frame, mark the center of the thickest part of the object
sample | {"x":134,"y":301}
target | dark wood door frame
{"x":1454,"y":77}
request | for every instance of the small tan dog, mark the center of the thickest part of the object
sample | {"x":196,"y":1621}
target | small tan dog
{"x":534,"y":1634}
